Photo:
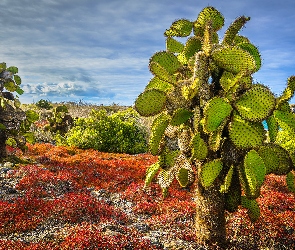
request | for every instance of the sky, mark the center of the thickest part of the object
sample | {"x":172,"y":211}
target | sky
{"x":97,"y":51}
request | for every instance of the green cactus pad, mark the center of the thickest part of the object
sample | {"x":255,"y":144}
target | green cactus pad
{"x":150,"y":102}
{"x":180,"y":28}
{"x":224,"y":188}
{"x":253,"y":52}
{"x":216,"y":138}
{"x":273,"y":128}
{"x":173,"y":45}
{"x":208,"y":14}
{"x":276,"y":159}
{"x":245,"y":134}
{"x":240,"y":39}
{"x":290,"y":180}
{"x":234,"y":59}
{"x":184,"y":177}
{"x":158,"y":128}
{"x":162,"y":73}
{"x":157,"y":83}
{"x":233,"y":195}
{"x":289,"y":91}
{"x":256,"y":104}
{"x":233,"y":30}
{"x":167,"y":158}
{"x":227,"y":80}
{"x":230,"y":82}
{"x":255,"y":171}
{"x":252,"y":206}
{"x":180,"y":116}
{"x":150,"y":173}
{"x":210,"y":171}
{"x":215,"y":112}
{"x":283,"y":106}
{"x":167,"y":60}
{"x":199,"y":148}
{"x":192,"y":46}
{"x":286,"y":120}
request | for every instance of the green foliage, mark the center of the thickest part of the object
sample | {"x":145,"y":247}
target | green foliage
{"x":210,"y":112}
{"x":119,"y":132}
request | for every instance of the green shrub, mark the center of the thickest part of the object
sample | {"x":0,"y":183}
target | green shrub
{"x":119,"y":132}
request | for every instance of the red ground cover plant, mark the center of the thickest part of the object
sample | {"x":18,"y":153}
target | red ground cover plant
{"x":58,"y":187}
{"x":23,"y":214}
{"x":90,"y":236}
{"x":79,"y":207}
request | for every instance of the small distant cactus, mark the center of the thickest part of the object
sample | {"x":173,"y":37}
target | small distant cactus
{"x":44,"y":104}
{"x":14,"y":122}
{"x":208,"y":128}
{"x":60,"y":121}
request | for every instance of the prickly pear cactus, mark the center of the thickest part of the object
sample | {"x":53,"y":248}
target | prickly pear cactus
{"x":205,"y":101}
{"x":14,"y":122}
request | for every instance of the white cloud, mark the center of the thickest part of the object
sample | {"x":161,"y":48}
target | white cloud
{"x":99,"y":50}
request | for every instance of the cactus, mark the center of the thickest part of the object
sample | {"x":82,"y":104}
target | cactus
{"x":206,"y":102}
{"x":59,"y":121}
{"x":14,"y":122}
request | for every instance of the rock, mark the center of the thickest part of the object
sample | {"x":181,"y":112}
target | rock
{"x":8,"y":165}
{"x":4,"y":170}
{"x":141,"y":227}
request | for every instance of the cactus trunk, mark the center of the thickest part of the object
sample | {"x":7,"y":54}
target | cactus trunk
{"x":210,"y":216}
{"x":3,"y":153}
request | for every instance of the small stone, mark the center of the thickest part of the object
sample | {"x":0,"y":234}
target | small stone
{"x":8,"y":165}
{"x":143,"y":228}
{"x":4,"y":170}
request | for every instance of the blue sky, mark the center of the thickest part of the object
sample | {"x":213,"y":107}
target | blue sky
{"x":97,"y":51}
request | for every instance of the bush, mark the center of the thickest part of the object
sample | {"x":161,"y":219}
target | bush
{"x":118,"y":133}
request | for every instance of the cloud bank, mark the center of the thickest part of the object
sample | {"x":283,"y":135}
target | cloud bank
{"x":98,"y":51}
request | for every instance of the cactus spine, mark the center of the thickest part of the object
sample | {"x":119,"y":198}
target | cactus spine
{"x":202,"y":94}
